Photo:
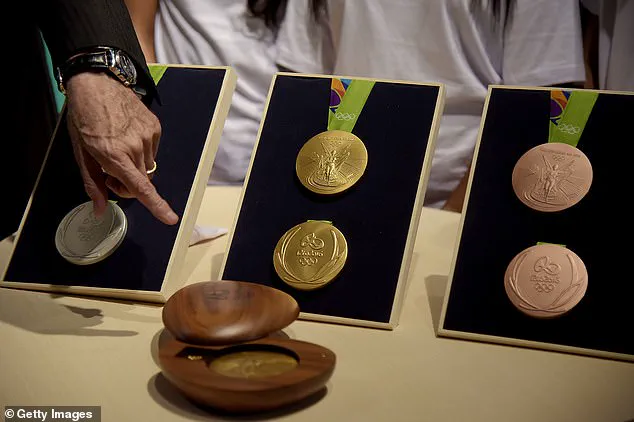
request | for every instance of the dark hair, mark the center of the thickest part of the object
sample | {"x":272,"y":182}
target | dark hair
{"x":272,"y":11}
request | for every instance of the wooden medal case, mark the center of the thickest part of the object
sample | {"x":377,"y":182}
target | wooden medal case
{"x":206,"y":321}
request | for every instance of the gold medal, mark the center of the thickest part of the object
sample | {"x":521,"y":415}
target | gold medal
{"x":310,"y":255}
{"x":253,"y":364}
{"x":331,"y":162}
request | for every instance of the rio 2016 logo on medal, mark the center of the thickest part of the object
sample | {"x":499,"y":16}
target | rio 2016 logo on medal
{"x":83,"y":239}
{"x":546,"y":281}
{"x":310,"y":255}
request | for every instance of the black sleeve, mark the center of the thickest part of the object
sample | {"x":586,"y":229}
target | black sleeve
{"x":70,"y":26}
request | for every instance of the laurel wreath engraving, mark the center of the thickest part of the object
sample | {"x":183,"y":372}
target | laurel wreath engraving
{"x":558,"y":303}
{"x":334,"y":259}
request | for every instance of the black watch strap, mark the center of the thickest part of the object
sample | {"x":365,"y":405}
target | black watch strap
{"x":112,"y":61}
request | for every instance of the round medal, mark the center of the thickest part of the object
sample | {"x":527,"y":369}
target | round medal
{"x":331,"y":162}
{"x":253,"y":364}
{"x":546,"y":281}
{"x":310,"y":255}
{"x":552,"y":177}
{"x":84,"y":239}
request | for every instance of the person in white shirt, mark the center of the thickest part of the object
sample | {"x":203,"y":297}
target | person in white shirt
{"x":464,"y":44}
{"x":612,"y":36}
{"x":215,"y":33}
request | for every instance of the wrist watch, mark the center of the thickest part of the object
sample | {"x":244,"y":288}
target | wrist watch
{"x":110,"y":60}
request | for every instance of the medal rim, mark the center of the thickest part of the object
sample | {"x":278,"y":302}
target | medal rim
{"x":329,"y":277}
{"x":97,"y":254}
{"x":540,"y":314}
{"x":341,"y":188}
{"x":532,"y":205}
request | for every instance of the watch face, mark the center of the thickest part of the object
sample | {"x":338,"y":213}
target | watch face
{"x":127,"y":68}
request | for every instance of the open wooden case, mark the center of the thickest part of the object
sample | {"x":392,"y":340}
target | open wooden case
{"x":378,"y":216}
{"x":222,"y":348}
{"x":194,"y":103}
{"x":496,"y":226}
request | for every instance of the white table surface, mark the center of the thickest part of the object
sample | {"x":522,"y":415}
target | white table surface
{"x":78,"y":351}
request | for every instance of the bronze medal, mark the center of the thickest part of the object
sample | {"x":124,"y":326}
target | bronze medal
{"x":310,"y":255}
{"x":552,"y":177}
{"x":546,"y":281}
{"x":331,"y":162}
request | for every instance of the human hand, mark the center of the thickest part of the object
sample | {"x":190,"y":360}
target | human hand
{"x":112,"y":131}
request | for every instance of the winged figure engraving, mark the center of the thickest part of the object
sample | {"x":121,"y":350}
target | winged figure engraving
{"x":329,"y":171}
{"x":556,"y":184}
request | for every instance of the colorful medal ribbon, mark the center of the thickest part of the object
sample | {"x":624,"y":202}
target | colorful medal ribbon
{"x":569,"y":113}
{"x":347,"y":98}
{"x":157,"y":71}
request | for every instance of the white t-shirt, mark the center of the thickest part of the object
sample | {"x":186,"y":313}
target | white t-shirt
{"x":439,"y":41}
{"x":616,"y":43}
{"x":221,"y":33}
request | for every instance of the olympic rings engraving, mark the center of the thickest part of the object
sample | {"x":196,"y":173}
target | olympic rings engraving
{"x":345,"y":116}
{"x":569,"y":129}
{"x":308,"y":261}
{"x":544,"y":287}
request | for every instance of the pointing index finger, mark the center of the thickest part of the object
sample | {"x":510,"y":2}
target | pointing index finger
{"x":140,"y":186}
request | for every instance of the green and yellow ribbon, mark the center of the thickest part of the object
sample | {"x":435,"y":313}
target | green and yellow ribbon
{"x":569,"y":113}
{"x":347,"y":99}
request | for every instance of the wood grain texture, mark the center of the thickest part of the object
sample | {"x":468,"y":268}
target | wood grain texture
{"x":205,"y":387}
{"x":227,"y":312}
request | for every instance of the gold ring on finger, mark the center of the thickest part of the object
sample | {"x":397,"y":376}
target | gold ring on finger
{"x":153,"y":169}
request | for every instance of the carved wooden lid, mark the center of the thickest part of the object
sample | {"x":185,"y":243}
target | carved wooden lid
{"x":227,"y":312}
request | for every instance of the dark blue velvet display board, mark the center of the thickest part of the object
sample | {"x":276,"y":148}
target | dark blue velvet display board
{"x":188,"y":102}
{"x":375,"y":215}
{"x":497,"y":226}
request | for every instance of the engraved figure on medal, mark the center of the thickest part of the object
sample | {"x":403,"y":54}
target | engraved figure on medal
{"x":546,"y":281}
{"x":328,"y":169}
{"x":552,"y":177}
{"x":331,"y":162}
{"x":310,"y":255}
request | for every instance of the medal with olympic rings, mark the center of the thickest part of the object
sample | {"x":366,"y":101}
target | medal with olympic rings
{"x":334,"y":161}
{"x":310,"y":255}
